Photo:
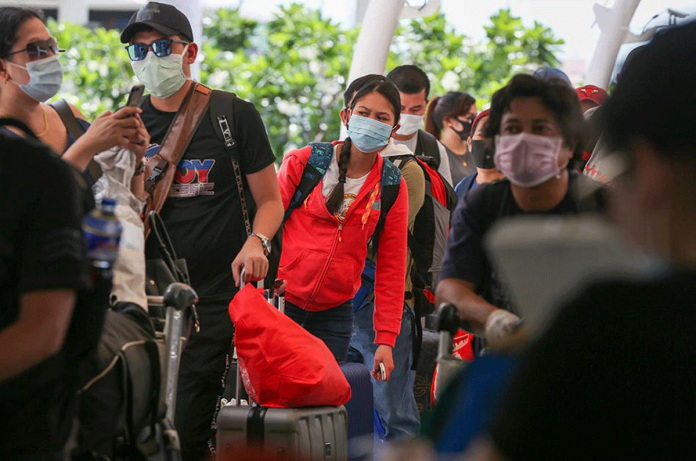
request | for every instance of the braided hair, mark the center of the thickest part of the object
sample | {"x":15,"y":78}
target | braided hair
{"x":360,"y":87}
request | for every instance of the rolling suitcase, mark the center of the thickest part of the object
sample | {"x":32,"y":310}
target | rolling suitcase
{"x":360,"y":409}
{"x":311,"y":434}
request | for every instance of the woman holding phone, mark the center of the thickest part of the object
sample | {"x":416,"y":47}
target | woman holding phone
{"x":31,"y":74}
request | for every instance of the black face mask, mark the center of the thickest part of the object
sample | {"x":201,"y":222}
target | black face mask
{"x":483,"y":156}
{"x":466,"y":130}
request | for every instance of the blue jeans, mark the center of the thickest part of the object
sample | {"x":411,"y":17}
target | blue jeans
{"x":394,"y":399}
{"x":333,"y":326}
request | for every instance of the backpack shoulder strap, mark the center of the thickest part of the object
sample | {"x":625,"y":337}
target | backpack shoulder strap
{"x":314,"y":171}
{"x":427,"y":145}
{"x":401,"y":161}
{"x":75,"y":129}
{"x":222,"y":117}
{"x":391,"y":183}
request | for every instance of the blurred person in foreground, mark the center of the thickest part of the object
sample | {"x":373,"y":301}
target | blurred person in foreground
{"x":537,"y":126}
{"x":43,"y":267}
{"x":627,"y":393}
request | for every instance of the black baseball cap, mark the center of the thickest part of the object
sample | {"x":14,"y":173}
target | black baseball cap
{"x":161,"y":17}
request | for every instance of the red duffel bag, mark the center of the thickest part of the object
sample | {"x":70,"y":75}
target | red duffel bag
{"x":282,"y":364}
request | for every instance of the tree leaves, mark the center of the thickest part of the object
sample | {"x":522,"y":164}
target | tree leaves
{"x":294,"y":67}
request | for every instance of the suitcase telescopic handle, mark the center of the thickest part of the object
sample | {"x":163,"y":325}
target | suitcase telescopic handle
{"x":177,"y":299}
{"x":281,"y":308}
{"x":242,"y":273}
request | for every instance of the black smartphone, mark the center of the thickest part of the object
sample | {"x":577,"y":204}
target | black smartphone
{"x":135,"y":97}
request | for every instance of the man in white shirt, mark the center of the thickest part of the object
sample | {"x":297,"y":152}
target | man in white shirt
{"x":414,"y":87}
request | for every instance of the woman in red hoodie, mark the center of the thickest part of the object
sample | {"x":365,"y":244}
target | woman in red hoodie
{"x":325,"y":240}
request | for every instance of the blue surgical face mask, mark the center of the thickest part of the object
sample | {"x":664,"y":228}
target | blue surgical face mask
{"x":45,"y":78}
{"x":367,"y":134}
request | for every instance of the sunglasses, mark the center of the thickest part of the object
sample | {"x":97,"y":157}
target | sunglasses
{"x":39,"y":49}
{"x":161,"y":48}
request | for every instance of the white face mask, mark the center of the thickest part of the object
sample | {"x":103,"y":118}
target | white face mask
{"x":45,"y":78}
{"x":409,"y":124}
{"x":161,"y":76}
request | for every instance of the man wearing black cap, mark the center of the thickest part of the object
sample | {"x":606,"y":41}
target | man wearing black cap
{"x":203,"y":210}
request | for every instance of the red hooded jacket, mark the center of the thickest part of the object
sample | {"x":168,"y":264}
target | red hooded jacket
{"x":322,"y":259}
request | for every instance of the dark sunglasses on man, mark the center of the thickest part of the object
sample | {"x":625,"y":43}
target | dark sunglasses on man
{"x":161,"y":48}
{"x":39,"y":49}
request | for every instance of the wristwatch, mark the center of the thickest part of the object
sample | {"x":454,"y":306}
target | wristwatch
{"x":265,"y":243}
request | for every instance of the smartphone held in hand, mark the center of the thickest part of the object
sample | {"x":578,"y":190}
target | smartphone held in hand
{"x":135,"y":97}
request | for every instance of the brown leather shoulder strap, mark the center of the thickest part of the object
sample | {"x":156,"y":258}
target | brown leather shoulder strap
{"x":161,"y":168}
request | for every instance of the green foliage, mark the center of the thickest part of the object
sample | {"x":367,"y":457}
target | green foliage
{"x":456,"y":63}
{"x":294,"y":67}
{"x":229,"y":30}
{"x":98,"y":74}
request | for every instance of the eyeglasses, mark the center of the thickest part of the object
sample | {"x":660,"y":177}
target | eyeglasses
{"x":161,"y":48}
{"x":39,"y":49}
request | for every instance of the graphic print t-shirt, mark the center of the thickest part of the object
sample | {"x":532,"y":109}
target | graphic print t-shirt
{"x":351,"y":188}
{"x":203,"y":212}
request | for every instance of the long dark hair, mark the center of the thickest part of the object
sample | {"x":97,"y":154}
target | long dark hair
{"x":372,"y":83}
{"x":11,"y":19}
{"x":450,"y":105}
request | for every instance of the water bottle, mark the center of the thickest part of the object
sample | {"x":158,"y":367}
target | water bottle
{"x":102,"y":233}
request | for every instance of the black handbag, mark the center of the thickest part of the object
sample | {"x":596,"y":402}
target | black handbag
{"x":166,"y":269}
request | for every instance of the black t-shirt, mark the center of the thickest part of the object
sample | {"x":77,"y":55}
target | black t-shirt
{"x":203,"y":213}
{"x":465,"y":257}
{"x":612,"y":378}
{"x":41,"y":248}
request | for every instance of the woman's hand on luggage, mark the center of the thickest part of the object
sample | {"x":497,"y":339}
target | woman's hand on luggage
{"x":253,"y":260}
{"x":383,"y":355}
{"x":113,"y":129}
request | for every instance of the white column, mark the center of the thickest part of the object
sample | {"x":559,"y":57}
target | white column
{"x":378,"y":27}
{"x":74,"y":11}
{"x":613,"y":24}
{"x":193,"y":9}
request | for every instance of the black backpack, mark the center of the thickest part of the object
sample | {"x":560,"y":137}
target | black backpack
{"x":426,"y":146}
